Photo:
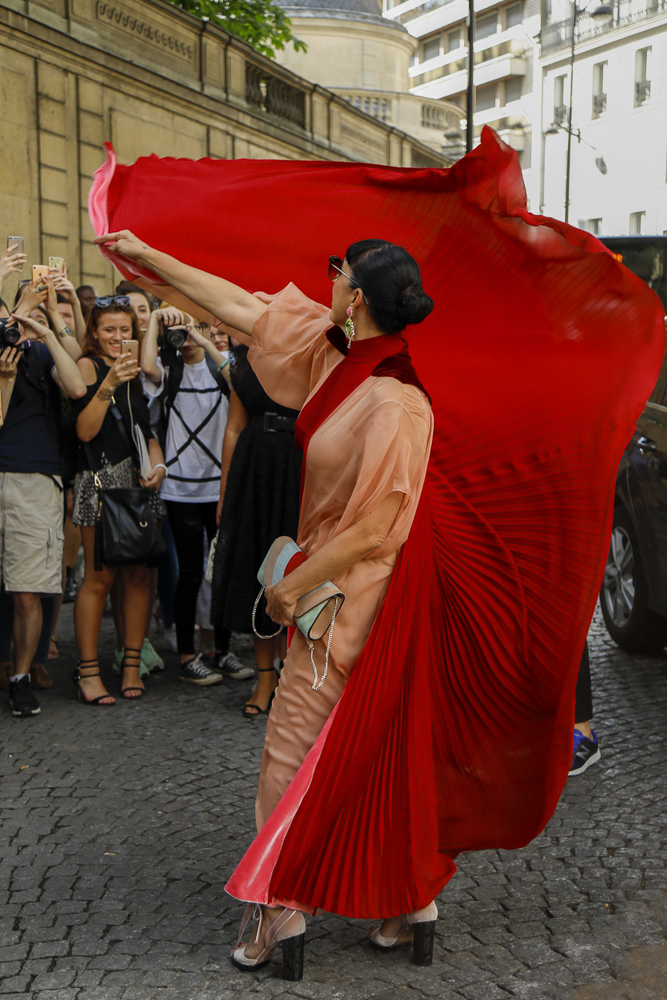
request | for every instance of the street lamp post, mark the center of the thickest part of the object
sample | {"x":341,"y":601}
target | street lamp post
{"x":470,"y":92}
{"x":602,"y":15}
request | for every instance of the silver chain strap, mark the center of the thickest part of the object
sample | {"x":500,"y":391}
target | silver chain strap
{"x":254,"y":614}
{"x":317,"y":684}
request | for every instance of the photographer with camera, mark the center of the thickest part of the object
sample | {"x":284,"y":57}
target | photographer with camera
{"x":31,"y":532}
{"x":194,"y":395}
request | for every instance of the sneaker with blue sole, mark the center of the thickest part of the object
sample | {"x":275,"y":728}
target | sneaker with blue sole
{"x":585,"y":753}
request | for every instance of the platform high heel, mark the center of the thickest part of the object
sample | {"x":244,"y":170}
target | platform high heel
{"x":288,"y":929}
{"x":417,"y":927}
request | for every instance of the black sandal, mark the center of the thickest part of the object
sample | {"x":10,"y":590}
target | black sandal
{"x":131,"y":654}
{"x":78,"y":676}
{"x":249,"y":704}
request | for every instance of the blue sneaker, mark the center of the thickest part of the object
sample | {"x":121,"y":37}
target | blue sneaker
{"x":585,"y":753}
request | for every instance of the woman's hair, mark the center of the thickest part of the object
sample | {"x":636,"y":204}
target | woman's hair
{"x":390,"y":280}
{"x":91,"y":347}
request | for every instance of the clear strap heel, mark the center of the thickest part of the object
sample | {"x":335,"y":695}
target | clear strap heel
{"x":291,"y":937}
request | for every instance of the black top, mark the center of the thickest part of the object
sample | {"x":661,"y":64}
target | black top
{"x":127,"y":404}
{"x":29,"y":439}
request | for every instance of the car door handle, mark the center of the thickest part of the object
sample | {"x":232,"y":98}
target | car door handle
{"x":646,"y":444}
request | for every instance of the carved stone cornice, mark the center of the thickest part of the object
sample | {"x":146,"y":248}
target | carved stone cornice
{"x":125,"y":20}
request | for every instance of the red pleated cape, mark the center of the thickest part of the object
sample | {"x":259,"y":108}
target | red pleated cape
{"x":454,"y":732}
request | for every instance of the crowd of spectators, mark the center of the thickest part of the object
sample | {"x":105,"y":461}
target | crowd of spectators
{"x":113,"y":390}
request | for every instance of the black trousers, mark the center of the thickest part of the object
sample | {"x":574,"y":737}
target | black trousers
{"x":189,"y":522}
{"x":583,"y":695}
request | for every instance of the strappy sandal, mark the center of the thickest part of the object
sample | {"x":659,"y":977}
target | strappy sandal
{"x":292,"y":939}
{"x":417,"y":928}
{"x":131,"y":654}
{"x":249,"y":704}
{"x":77,"y":677}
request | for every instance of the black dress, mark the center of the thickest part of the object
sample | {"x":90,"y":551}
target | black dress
{"x":261,"y":500}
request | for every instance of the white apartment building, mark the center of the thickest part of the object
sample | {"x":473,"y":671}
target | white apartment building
{"x":507,"y":68}
{"x":619,"y":107}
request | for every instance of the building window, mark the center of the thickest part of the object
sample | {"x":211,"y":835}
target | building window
{"x":642,"y":78}
{"x":485,"y":97}
{"x":454,"y":40}
{"x":485,"y":26}
{"x":431,"y":49}
{"x":636,"y":221}
{"x":560,"y":108}
{"x":514,"y":15}
{"x":599,"y":92}
{"x":513,"y":88}
{"x":594,"y":226}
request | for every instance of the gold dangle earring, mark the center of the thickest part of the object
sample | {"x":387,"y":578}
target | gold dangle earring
{"x":349,"y":327}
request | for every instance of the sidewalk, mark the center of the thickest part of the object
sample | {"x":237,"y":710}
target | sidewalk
{"x":120,"y":827}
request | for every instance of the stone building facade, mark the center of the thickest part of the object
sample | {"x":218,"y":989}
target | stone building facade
{"x":151,"y":79}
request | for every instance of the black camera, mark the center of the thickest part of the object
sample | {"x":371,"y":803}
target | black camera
{"x":10,"y":334}
{"x":173,"y":336}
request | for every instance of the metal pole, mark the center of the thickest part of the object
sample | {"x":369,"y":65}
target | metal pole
{"x":470,"y":95}
{"x":575,"y":11}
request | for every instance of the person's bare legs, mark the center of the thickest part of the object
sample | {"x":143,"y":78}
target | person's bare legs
{"x":88,"y":611}
{"x":135,"y":585}
{"x":27,"y":629}
{"x":267,"y":678}
{"x":117,"y":611}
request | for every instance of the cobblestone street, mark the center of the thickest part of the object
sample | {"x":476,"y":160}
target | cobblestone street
{"x":120,"y":827}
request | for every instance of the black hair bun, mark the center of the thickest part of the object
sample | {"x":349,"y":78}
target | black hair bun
{"x":413,"y":305}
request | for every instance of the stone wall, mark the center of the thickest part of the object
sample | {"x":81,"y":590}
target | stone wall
{"x":152,"y":79}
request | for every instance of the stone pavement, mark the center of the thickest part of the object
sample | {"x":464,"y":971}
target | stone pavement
{"x":120,"y":827}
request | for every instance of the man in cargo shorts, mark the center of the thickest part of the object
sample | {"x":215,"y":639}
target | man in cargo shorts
{"x":31,"y":497}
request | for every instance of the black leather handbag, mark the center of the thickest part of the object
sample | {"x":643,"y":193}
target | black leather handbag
{"x":125,"y":530}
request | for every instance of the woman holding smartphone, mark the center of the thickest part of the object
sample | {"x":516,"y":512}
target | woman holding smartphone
{"x":105,"y":420}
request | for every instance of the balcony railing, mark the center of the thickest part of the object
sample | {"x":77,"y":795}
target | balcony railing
{"x":642,"y":92}
{"x":275,"y":96}
{"x":433,"y":117}
{"x":599,"y":104}
{"x":376,"y":106}
{"x":559,"y":34}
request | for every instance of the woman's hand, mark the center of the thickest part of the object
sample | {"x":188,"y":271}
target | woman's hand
{"x":280,"y":606}
{"x":123,"y":242}
{"x":32,"y":297}
{"x":171,"y":316}
{"x":31,"y":328}
{"x":11,"y":261}
{"x":51,"y":297}
{"x":155,"y":479}
{"x":124,"y":369}
{"x":9,"y":360}
{"x":63,"y":286}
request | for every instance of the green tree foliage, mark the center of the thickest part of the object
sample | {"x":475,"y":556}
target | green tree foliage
{"x":261,"y":23}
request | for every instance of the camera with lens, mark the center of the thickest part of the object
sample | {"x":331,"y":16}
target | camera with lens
{"x":172,"y":337}
{"x":10,"y":334}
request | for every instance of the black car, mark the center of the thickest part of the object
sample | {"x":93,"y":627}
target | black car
{"x":633,"y":597}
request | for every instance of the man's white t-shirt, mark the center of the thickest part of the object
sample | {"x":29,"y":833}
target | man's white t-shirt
{"x":194,"y":443}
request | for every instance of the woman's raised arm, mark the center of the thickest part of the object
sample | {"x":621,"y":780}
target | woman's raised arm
{"x":230,"y":303}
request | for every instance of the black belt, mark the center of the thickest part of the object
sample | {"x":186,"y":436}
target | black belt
{"x":274,"y":422}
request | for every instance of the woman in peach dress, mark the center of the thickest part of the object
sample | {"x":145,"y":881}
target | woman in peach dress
{"x":366,"y":427}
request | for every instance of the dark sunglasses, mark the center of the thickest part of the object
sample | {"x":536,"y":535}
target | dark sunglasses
{"x":106,"y":300}
{"x":336,"y":268}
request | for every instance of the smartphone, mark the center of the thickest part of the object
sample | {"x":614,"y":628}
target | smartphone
{"x":16,"y":241}
{"x":39,"y":271}
{"x":57,"y":264}
{"x":130,"y":347}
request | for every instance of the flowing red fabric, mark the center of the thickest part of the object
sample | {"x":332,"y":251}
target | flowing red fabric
{"x":454,"y":732}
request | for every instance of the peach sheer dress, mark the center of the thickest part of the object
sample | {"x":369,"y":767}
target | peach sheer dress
{"x":375,"y":443}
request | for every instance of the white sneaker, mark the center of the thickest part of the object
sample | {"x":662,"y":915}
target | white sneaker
{"x":169,"y":639}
